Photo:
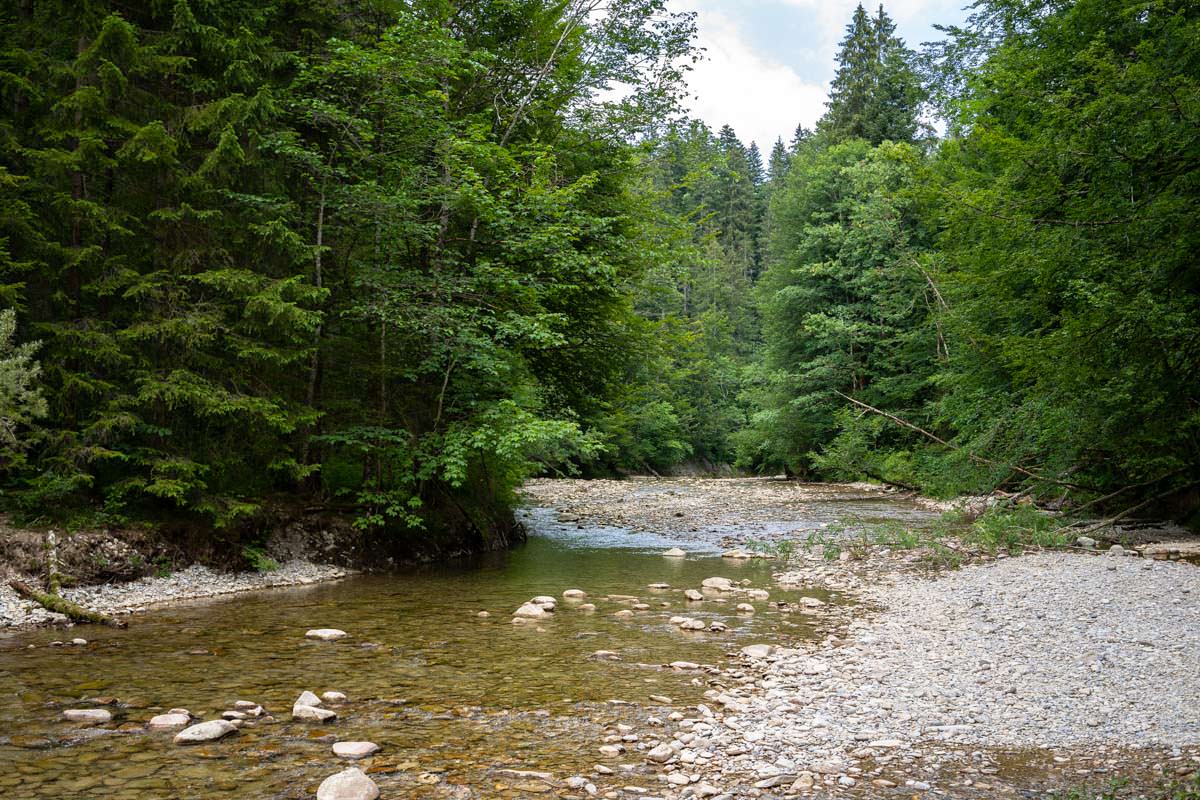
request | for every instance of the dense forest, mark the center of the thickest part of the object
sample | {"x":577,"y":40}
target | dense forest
{"x":394,"y":257}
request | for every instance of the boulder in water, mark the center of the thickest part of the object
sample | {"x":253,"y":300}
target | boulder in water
{"x":351,"y":784}
{"x":205,"y":732}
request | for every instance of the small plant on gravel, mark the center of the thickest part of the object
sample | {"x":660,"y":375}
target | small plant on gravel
{"x":258,"y":559}
{"x":781,"y":549}
{"x":1016,"y":529}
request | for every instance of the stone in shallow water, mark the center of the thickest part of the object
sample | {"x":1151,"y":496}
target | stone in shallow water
{"x":333,"y":697}
{"x":693,"y":595}
{"x":531,"y":611}
{"x":352,"y":784}
{"x":326,"y":634}
{"x":745,"y":608}
{"x":674,"y":552}
{"x":574,"y":594}
{"x":169,"y":721}
{"x":312,"y":714}
{"x":88,"y":716}
{"x":718,"y":583}
{"x":355,"y":749}
{"x":205,"y":732}
{"x":307,"y":698}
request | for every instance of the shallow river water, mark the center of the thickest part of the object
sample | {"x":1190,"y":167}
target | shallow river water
{"x":452,"y":698}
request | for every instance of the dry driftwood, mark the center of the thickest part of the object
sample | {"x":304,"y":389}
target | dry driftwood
{"x":60,"y":605}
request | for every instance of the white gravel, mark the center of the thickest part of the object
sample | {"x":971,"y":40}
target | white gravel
{"x":1048,"y":651}
{"x":15,"y":611}
{"x":196,"y":582}
{"x":193,"y":583}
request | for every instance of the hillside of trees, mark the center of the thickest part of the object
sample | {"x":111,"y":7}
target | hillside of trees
{"x":394,"y":257}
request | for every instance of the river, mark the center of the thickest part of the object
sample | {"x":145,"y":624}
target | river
{"x":452,"y":698}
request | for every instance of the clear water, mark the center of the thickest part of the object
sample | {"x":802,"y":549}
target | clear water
{"x":450,"y":697}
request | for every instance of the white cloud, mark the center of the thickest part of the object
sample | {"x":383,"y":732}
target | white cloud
{"x":736,"y":85}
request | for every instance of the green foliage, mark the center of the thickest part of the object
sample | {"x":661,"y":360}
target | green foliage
{"x":258,"y":560}
{"x":1068,"y":199}
{"x":21,"y":400}
{"x":261,"y":241}
{"x":846,"y":309}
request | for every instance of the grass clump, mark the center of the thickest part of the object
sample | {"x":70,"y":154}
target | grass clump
{"x":258,"y":560}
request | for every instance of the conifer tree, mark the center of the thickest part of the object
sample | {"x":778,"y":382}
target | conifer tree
{"x":876,"y":93}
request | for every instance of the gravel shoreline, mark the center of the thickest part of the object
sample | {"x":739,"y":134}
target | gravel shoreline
{"x":1084,"y":662}
{"x":194,"y":583}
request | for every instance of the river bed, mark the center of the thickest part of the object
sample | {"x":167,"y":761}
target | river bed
{"x":452,"y":698}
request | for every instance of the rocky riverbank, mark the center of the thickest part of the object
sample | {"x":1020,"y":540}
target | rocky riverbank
{"x":1010,"y":675}
{"x":194,"y":583}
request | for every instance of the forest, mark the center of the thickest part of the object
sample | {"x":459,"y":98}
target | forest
{"x":396,"y":257}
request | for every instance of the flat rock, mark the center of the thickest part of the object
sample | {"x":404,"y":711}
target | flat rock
{"x":169,"y":721}
{"x":312,"y":714}
{"x":674,"y":552}
{"x":205,"y":732}
{"x":87,"y":716}
{"x":326,"y":634}
{"x":757,"y":650}
{"x":355,"y":749}
{"x":574,"y":594}
{"x":718,"y":583}
{"x":351,"y":784}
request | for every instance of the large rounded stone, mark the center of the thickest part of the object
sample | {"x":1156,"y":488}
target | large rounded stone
{"x":530,"y":611}
{"x":205,"y":732}
{"x":352,"y":784}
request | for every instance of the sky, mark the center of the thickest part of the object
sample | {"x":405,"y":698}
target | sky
{"x":768,"y":63}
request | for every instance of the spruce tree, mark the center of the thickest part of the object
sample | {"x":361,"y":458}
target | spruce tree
{"x":876,"y":93}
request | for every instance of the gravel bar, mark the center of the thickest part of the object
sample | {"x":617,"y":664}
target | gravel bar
{"x":194,"y":583}
{"x":1051,"y":650}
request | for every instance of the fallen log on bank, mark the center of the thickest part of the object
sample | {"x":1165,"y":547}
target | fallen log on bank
{"x":60,"y":605}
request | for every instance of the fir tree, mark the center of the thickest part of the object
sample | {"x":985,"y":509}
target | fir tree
{"x":876,"y":93}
